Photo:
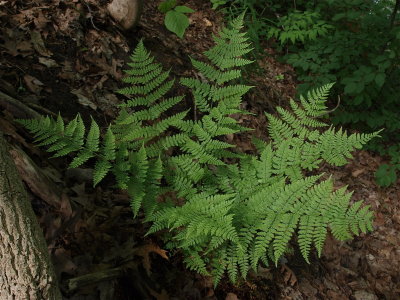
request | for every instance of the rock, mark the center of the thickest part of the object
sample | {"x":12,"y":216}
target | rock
{"x":364,"y":295}
{"x":125,"y":12}
{"x":231,"y":296}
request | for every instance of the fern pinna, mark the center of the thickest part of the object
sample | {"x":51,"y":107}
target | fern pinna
{"x":228,"y":211}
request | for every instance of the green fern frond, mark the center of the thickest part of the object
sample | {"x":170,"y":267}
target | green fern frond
{"x":152,"y":183}
{"x":213,"y":74}
{"x":136,"y":184}
{"x":149,"y":84}
{"x":344,"y":145}
{"x":165,"y":143}
{"x":344,"y":220}
{"x":314,"y":104}
{"x":219,"y":264}
{"x":121,"y":167}
{"x":91,"y":146}
{"x":303,"y":122}
{"x":232,"y":263}
{"x":230,"y":45}
{"x":194,"y":262}
{"x":192,"y":168}
{"x":284,"y":233}
{"x":107,"y":156}
{"x":150,"y":98}
{"x":266,"y":232}
{"x":51,"y":133}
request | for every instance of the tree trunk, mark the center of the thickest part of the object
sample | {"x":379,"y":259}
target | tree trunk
{"x":26,"y":272}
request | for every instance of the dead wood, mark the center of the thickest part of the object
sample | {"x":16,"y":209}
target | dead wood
{"x":76,"y":283}
{"x":35,"y":178}
{"x":16,"y":107}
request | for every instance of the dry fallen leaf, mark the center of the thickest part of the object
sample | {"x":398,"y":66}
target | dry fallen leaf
{"x":145,"y":250}
{"x":40,"y":21}
{"x":289,"y":276}
{"x":15,"y":43}
{"x":33,"y":84}
{"x":207,"y":22}
{"x":48,"y":62}
{"x":63,"y":262}
{"x":358,"y":172}
{"x":65,"y":20}
{"x":82,"y":99}
{"x":159,"y":296}
{"x":38,"y":44}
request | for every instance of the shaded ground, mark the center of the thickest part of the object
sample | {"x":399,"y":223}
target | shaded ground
{"x":67,"y":56}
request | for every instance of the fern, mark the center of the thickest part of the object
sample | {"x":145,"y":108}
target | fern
{"x":299,"y":26}
{"x":63,"y":140}
{"x":227,"y":211}
{"x":270,"y":197}
{"x":216,"y":100}
{"x":107,"y":155}
{"x":148,"y":86}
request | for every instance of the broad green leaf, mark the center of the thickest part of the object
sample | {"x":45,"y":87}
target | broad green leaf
{"x":386,"y":175}
{"x":166,"y":6}
{"x":183,"y":9}
{"x":176,"y":22}
{"x":351,"y":88}
{"x":380,"y":79}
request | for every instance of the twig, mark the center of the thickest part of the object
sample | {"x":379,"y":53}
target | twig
{"x":90,"y":15}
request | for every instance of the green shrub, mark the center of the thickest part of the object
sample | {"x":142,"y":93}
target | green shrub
{"x":361,"y":53}
{"x":175,"y":19}
{"x":224,"y":209}
{"x":299,"y":26}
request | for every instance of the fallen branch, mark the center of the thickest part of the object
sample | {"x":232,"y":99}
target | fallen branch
{"x":76,"y":283}
{"x":17,"y":108}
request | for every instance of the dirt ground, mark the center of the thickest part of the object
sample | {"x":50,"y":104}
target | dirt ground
{"x":68,"y":57}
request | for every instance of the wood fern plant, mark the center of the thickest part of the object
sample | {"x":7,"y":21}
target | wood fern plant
{"x":227,"y":211}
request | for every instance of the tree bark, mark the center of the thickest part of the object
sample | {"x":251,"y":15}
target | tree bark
{"x":26,"y":272}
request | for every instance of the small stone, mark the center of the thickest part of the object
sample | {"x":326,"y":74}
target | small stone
{"x":364,"y":295}
{"x":125,"y":12}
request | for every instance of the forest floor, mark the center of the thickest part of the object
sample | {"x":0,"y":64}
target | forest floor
{"x":68,"y":57}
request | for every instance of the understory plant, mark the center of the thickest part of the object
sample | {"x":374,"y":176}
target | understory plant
{"x":299,"y":26}
{"x":175,"y":19}
{"x":361,"y":52}
{"x":225,"y":210}
{"x":256,"y":16}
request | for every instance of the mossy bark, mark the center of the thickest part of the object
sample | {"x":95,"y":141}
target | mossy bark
{"x":25,"y":268}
